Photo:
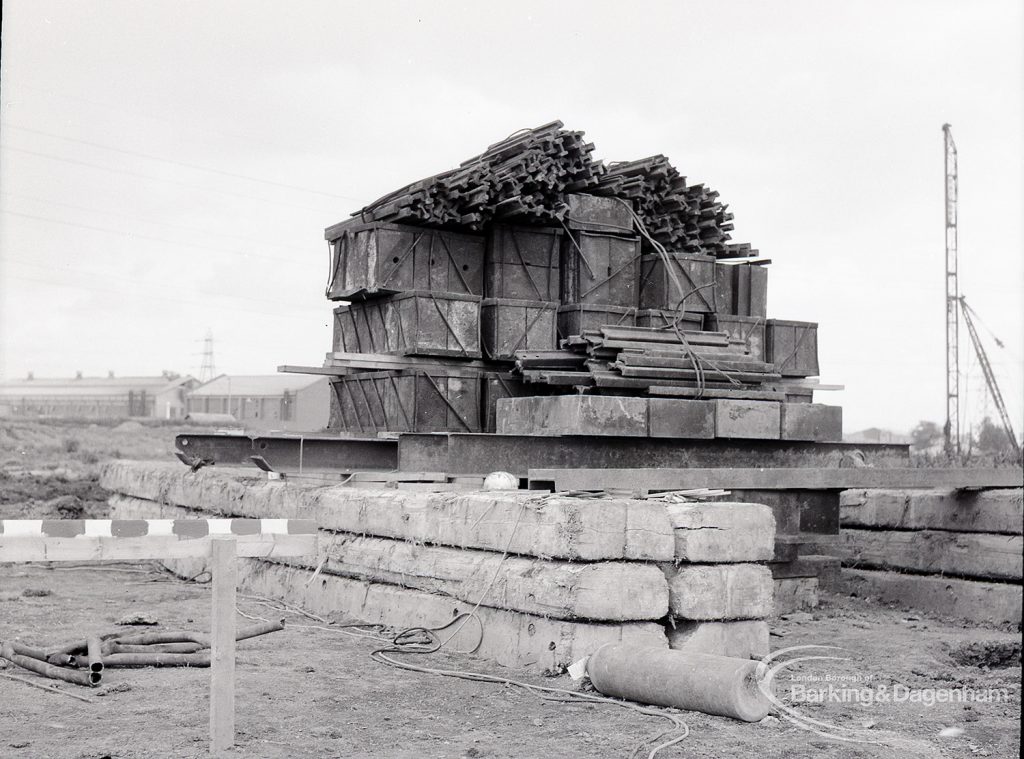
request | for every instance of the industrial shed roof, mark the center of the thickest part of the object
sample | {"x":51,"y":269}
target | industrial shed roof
{"x":87,"y":386}
{"x":254,"y":386}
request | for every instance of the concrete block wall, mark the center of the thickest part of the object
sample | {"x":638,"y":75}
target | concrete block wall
{"x":555,"y":577}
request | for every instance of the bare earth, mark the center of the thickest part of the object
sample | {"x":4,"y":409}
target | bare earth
{"x":314,"y":691}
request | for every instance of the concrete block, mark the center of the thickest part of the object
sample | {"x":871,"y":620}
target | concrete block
{"x":509,"y":638}
{"x":812,"y":421}
{"x":760,"y":420}
{"x":573,"y":415}
{"x":722,"y":532}
{"x":719,"y":591}
{"x":602,"y":591}
{"x":996,"y":511}
{"x":554,"y":527}
{"x":745,"y":639}
{"x":978,"y":602}
{"x":679,"y":418}
{"x":965,"y":554}
{"x":795,"y":594}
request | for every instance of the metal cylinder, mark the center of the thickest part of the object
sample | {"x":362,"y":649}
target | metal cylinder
{"x":94,"y":645}
{"x":698,"y":682}
{"x":201,"y":659}
{"x":48,"y":670}
{"x":157,"y":648}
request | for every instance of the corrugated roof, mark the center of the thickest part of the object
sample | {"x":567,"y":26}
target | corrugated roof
{"x":86,"y":386}
{"x":252,"y":386}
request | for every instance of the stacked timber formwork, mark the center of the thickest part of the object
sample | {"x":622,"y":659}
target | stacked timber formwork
{"x":535,"y":273}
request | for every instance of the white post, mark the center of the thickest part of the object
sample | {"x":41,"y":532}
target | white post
{"x":222,"y":638}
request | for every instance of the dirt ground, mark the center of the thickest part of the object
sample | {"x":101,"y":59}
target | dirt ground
{"x":313,"y":690}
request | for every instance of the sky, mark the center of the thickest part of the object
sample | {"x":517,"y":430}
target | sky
{"x":168,"y":167}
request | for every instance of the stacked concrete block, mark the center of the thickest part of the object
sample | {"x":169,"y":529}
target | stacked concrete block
{"x":720,"y":589}
{"x":555,"y":577}
{"x":668,"y":418}
{"x":949,"y":552}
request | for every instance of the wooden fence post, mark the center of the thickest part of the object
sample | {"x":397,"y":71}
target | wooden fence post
{"x":224,"y":569}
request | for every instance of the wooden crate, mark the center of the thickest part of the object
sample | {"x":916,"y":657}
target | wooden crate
{"x":792,"y":346}
{"x":377,"y":259}
{"x":692,"y":321}
{"x":695,"y":273}
{"x":362,"y":327}
{"x":741,"y":289}
{"x":507,"y":326}
{"x":522,"y":262}
{"x":412,"y":324}
{"x":600,"y":269}
{"x":577,"y":318}
{"x":749,"y":330}
{"x":597,"y":214}
{"x":413,"y":400}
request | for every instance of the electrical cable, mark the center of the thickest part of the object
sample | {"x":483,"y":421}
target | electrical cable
{"x":177,"y":163}
{"x":150,"y":177}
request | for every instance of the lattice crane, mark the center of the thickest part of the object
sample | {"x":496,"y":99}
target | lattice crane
{"x":990,"y":377}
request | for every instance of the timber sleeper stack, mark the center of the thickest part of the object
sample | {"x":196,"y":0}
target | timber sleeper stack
{"x":533,"y":273}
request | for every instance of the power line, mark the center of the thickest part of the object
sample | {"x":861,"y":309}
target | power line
{"x":184,"y":164}
{"x":147,"y":220}
{"x":150,"y":177}
{"x":151,"y":296}
{"x":115,"y":278}
{"x":134,"y":235}
{"x":177,"y":123}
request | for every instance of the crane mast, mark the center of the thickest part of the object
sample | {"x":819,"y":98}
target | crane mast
{"x":952,"y":428}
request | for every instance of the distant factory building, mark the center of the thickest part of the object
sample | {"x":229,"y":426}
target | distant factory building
{"x":110,"y":397}
{"x":265,"y":402}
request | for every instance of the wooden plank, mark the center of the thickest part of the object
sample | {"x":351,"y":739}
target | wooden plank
{"x":690,"y":374}
{"x":343,"y":359}
{"x":780,"y":478}
{"x":629,"y":358}
{"x":722,"y":532}
{"x":961,"y":554}
{"x":324,"y":370}
{"x":224,"y":569}
{"x":948,"y":597}
{"x":995,"y":511}
{"x":653,"y":335}
{"x":719,"y":591}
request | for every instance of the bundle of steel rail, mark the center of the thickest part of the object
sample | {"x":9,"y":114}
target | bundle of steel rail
{"x":521,"y":178}
{"x":698,"y":364}
{"x":524,"y":179}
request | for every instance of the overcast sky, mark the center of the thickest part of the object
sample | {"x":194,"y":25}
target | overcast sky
{"x":168,"y":167}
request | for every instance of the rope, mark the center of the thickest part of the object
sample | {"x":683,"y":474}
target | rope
{"x":425,"y":640}
{"x":696,"y":361}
